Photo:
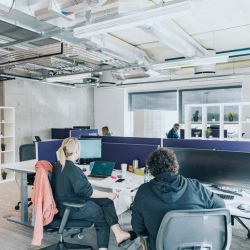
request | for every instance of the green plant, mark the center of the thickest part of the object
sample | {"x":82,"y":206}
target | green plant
{"x":4,"y":174}
{"x":3,"y":144}
{"x":247,"y":117}
{"x":230,"y":114}
{"x":208,"y":131}
{"x":197,"y":133}
{"x":196,"y":114}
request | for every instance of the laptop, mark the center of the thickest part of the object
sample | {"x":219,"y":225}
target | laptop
{"x":102,"y":169}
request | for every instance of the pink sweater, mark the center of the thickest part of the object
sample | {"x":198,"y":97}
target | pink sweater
{"x":43,"y":201}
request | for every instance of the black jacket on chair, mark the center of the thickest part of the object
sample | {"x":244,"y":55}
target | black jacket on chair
{"x":167,"y":192}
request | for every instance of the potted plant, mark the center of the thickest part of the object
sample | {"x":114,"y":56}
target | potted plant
{"x":4,"y":174}
{"x":208,"y":132}
{"x":2,"y":119}
{"x":196,"y":116}
{"x":230,"y":116}
{"x":248,"y":118}
{"x":3,"y":146}
{"x":213,"y":119}
{"x":197,"y":134}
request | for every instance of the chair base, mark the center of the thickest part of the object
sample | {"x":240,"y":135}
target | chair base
{"x":66,"y":246}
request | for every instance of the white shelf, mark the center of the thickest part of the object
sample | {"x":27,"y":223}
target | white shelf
{"x":6,"y":122}
{"x":6,"y":151}
{"x":5,"y":137}
{"x":7,"y":179}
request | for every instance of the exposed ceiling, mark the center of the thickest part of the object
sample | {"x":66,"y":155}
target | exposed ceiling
{"x":149,"y":32}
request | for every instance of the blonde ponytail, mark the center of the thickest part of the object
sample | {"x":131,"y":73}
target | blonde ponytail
{"x":69,"y":146}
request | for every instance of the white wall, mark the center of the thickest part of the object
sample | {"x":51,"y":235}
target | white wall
{"x":40,"y":107}
{"x":246,"y":109}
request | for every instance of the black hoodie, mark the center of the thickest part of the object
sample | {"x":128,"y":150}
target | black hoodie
{"x":167,"y":192}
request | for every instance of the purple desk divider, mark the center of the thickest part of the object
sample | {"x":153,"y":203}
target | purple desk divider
{"x":239,"y":146}
{"x":126,"y":153}
{"x":129,"y":140}
{"x":47,"y":150}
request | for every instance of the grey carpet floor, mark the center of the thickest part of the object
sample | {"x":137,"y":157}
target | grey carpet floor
{"x":18,"y":237}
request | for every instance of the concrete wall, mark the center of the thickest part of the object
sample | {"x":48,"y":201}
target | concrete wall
{"x":40,"y":107}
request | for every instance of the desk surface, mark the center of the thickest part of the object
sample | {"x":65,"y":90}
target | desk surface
{"x":136,"y":181}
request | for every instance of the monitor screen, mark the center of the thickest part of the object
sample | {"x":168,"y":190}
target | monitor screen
{"x":103,"y":168}
{"x":91,"y":148}
{"x":215,"y":166}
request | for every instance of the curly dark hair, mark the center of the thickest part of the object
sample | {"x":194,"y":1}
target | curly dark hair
{"x":162,"y":160}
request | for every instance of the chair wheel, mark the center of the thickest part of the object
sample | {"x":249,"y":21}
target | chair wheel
{"x":80,"y":236}
{"x":17,"y":207}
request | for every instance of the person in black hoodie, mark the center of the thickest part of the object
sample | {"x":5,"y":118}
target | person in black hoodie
{"x":166,"y":192}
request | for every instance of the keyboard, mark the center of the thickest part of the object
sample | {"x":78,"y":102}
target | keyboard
{"x":226,"y":196}
{"x":97,"y":176}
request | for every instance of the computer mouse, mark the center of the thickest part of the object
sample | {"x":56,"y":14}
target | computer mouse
{"x":84,"y":169}
{"x":243,"y":207}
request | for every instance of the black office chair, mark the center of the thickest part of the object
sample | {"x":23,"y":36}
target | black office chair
{"x":38,"y":139}
{"x":27,"y":152}
{"x":193,"y":229}
{"x":60,"y":224}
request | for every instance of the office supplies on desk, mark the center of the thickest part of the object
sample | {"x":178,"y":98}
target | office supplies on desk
{"x":226,"y":196}
{"x":244,"y":207}
{"x":102,"y":169}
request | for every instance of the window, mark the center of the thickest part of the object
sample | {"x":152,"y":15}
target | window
{"x":166,"y":100}
{"x":210,"y":95}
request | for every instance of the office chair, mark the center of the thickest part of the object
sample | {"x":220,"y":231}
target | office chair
{"x":60,"y":224}
{"x":27,"y":152}
{"x":208,"y":229}
{"x":37,"y":138}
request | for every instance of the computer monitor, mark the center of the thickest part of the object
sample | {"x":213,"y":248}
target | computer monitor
{"x":81,"y":127}
{"x":91,"y":149}
{"x":215,"y":166}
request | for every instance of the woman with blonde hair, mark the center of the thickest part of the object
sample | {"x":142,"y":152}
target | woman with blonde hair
{"x":69,"y":184}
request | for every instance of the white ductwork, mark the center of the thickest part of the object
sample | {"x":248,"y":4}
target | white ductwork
{"x":5,"y":6}
{"x":119,"y":48}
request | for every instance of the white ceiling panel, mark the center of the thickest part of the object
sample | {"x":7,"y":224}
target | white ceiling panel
{"x":159,"y":52}
{"x":228,"y":39}
{"x":211,"y":15}
{"x":134,"y":36}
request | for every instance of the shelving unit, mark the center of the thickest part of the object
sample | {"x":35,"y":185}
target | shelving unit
{"x":7,"y":136}
{"x":221,"y":122}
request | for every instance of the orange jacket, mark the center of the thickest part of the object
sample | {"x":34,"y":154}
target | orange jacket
{"x":43,"y":201}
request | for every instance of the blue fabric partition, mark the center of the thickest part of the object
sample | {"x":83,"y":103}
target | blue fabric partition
{"x":215,"y":133}
{"x":46,"y":150}
{"x":126,"y":153}
{"x":129,"y":140}
{"x":240,"y":146}
{"x":87,"y":132}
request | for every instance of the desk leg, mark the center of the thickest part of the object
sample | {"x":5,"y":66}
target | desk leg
{"x":24,"y":202}
{"x":243,"y":224}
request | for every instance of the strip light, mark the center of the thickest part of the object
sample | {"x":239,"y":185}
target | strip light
{"x":69,"y":77}
{"x":159,"y":12}
{"x":190,"y":62}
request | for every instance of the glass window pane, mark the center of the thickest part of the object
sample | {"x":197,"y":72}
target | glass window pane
{"x":154,"y":101}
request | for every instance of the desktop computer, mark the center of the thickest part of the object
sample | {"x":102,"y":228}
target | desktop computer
{"x":91,"y":149}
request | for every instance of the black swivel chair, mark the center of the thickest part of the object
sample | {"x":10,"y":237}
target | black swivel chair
{"x":60,"y":224}
{"x":27,"y":152}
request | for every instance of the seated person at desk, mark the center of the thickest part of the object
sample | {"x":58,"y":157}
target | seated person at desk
{"x":173,"y":133}
{"x":69,"y":184}
{"x":166,"y":192}
{"x":105,"y":131}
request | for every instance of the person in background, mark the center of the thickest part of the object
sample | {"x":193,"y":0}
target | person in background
{"x":166,"y":192}
{"x":173,"y":133}
{"x":69,"y":184}
{"x":105,"y":131}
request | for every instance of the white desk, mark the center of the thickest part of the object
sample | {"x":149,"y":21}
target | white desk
{"x":125,"y":189}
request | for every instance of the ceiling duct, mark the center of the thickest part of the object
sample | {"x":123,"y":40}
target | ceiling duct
{"x":106,"y":78}
{"x":6,"y":6}
{"x":207,"y":68}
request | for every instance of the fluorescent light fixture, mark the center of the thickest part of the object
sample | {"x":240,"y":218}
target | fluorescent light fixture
{"x":5,"y":6}
{"x":216,"y":79}
{"x":140,"y":17}
{"x":119,"y":87}
{"x":61,"y":85}
{"x":62,"y":78}
{"x":190,"y":62}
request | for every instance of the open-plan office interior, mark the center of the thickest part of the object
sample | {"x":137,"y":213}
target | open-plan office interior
{"x":125,"y":124}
